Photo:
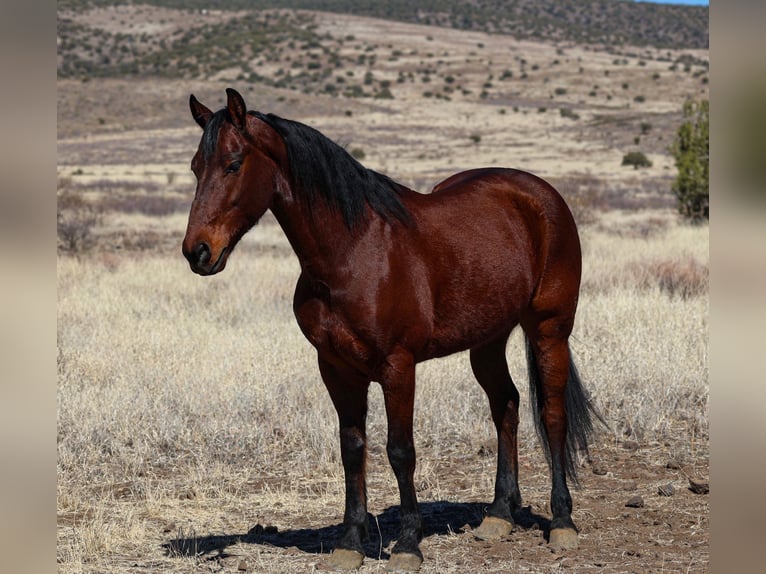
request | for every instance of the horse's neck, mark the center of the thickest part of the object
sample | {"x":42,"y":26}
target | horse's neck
{"x":317,"y":233}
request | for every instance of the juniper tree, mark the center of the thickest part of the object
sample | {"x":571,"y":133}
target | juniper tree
{"x":691,"y":152}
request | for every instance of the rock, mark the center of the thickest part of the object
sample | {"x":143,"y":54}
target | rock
{"x":666,"y":490}
{"x":599,"y":469}
{"x":635,"y":502}
{"x":699,"y":487}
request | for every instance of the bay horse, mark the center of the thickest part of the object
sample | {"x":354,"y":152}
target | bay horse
{"x":391,"y":277}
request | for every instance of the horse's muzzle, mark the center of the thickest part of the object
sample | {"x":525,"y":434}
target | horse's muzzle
{"x":199,"y":258}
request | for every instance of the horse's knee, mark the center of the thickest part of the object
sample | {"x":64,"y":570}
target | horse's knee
{"x":352,"y":439}
{"x":401,"y":456}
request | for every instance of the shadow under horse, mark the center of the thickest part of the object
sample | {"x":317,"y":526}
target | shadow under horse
{"x":440,"y":518}
{"x":391,"y":277}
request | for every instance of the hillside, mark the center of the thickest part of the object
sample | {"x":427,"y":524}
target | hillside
{"x":419,"y":101}
{"x":612,"y":23}
{"x":279,"y":48}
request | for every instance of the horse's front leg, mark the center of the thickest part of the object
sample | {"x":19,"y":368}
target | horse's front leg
{"x":398,"y":383}
{"x":348,"y":391}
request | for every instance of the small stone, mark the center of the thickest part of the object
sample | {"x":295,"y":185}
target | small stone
{"x":699,"y":487}
{"x":666,"y":490}
{"x":635,"y":502}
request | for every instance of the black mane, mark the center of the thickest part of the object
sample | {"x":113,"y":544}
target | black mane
{"x":319,"y":166}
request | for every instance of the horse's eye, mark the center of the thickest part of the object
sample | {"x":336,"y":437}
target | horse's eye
{"x":233,"y":167}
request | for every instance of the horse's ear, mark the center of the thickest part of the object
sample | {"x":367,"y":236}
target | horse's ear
{"x":237,"y":108}
{"x":200,"y":113}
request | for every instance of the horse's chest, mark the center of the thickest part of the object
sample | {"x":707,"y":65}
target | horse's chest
{"x":329,"y":333}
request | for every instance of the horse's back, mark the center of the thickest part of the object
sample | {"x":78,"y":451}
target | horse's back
{"x":519,"y":202}
{"x":512,"y":183}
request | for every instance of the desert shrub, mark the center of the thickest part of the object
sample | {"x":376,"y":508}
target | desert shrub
{"x":685,"y":277}
{"x":358,"y":153}
{"x":76,"y":221}
{"x":636,"y":159}
{"x":692,"y":156}
{"x":569,"y":113}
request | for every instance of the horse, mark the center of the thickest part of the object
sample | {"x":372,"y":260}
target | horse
{"x":390,"y":277}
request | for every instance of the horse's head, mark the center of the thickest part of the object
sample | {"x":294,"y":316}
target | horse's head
{"x":236,"y":172}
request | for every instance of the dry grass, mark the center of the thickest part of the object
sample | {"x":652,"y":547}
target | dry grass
{"x":192,"y":407}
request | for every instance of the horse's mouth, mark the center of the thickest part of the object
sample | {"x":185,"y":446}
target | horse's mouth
{"x":216,"y":267}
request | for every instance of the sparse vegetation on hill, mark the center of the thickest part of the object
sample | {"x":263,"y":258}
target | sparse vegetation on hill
{"x":275,"y":48}
{"x":609,"y":22}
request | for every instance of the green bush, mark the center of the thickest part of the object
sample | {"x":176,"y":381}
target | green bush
{"x":692,"y":154}
{"x":636,"y":159}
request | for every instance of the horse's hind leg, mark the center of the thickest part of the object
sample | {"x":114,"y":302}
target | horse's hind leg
{"x":549,"y":373}
{"x":491,"y":370}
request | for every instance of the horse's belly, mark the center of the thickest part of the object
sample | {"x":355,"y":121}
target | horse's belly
{"x":466,"y":328}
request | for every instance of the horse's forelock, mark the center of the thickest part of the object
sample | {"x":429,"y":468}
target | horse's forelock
{"x":212,"y":129}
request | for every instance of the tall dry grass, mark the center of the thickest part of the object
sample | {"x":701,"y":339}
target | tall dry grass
{"x":179,"y":396}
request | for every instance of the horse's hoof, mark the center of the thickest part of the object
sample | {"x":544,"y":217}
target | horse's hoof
{"x":563,"y":539}
{"x":342,"y":559}
{"x":404,"y":562}
{"x":493,"y":528}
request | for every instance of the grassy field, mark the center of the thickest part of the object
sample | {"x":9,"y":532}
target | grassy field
{"x":194,"y":406}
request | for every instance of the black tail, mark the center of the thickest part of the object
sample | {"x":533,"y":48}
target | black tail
{"x":579,"y":408}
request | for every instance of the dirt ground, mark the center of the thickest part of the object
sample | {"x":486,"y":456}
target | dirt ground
{"x":636,"y":508}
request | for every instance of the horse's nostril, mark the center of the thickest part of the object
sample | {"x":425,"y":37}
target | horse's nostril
{"x":202,"y":253}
